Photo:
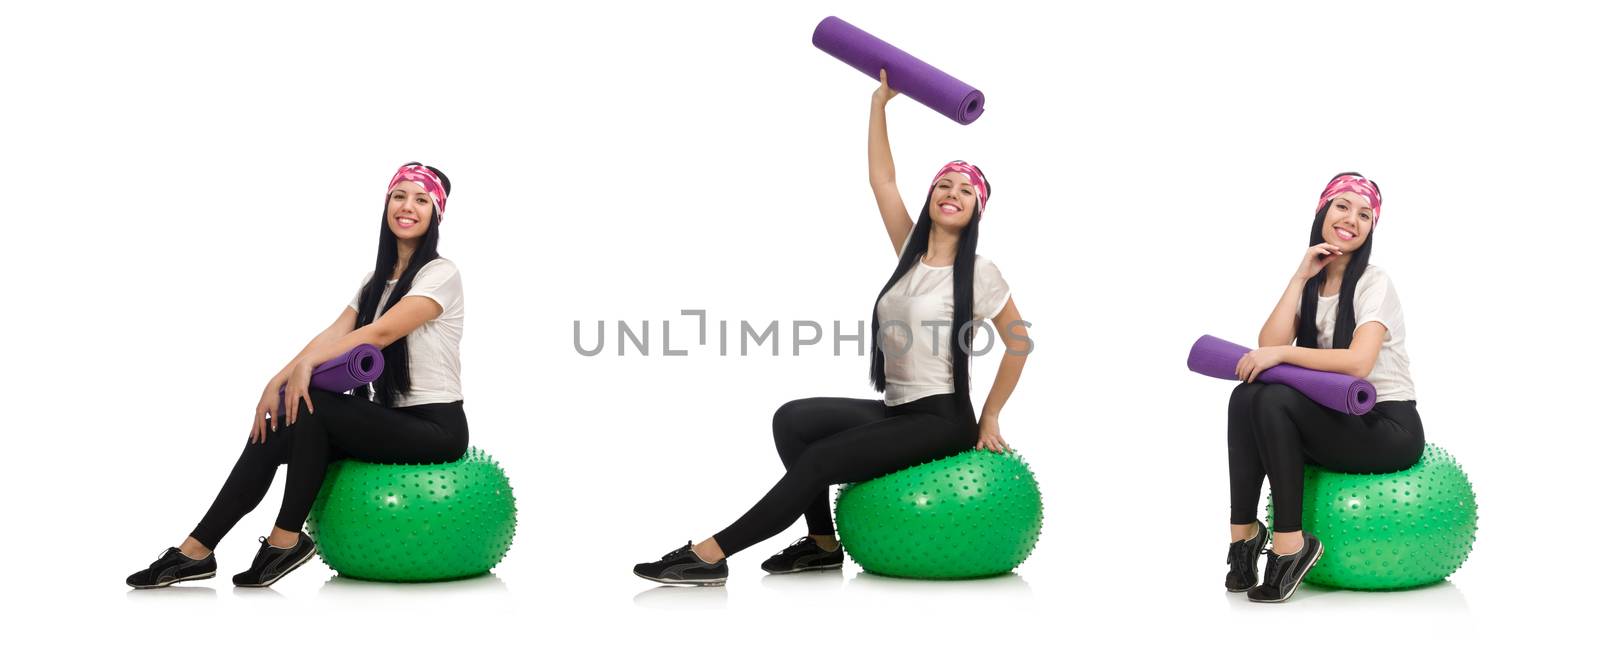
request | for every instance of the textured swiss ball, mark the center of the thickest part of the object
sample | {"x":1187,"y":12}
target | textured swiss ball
{"x":975,"y":514}
{"x":414,"y":522}
{"x":1390,"y":531}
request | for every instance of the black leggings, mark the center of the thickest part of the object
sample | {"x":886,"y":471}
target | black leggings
{"x":1274,"y":431}
{"x":826,"y":441}
{"x":344,"y":426}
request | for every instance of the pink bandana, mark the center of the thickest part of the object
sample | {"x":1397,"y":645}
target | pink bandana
{"x":979,"y":183}
{"x":1354,"y":184}
{"x":425,"y":177}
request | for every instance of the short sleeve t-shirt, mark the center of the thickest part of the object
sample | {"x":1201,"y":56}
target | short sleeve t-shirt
{"x":914,"y":321}
{"x":1376,"y":301}
{"x":433,"y":349}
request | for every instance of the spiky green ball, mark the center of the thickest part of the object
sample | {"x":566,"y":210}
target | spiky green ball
{"x":975,"y":514}
{"x":1394,"y":530}
{"x":414,"y":522}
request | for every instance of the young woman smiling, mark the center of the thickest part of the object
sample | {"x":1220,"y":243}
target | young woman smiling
{"x":920,"y":364}
{"x":1338,"y":314}
{"x":412,"y":306}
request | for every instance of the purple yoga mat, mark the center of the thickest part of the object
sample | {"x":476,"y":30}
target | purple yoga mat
{"x":1351,"y":395}
{"x":918,"y":80}
{"x":356,"y":367}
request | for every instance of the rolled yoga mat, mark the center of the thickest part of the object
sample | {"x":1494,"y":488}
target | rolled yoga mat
{"x":1351,"y":395}
{"x":357,"y":366}
{"x":918,"y":80}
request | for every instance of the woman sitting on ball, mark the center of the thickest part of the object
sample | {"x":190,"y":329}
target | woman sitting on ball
{"x":411,"y":306}
{"x":925,"y":413}
{"x":1338,"y":314}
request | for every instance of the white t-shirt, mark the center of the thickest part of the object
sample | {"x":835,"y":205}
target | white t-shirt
{"x":433,"y":349}
{"x":1376,"y":301}
{"x":914,"y":316}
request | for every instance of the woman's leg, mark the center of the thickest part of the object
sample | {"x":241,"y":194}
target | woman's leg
{"x":1292,"y":429}
{"x":1245,"y":469}
{"x":246,"y":485}
{"x":857,"y":454}
{"x":799,"y":423}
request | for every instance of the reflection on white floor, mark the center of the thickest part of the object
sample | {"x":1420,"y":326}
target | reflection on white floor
{"x":834,"y":587}
{"x":339,"y":587}
{"x":677,"y":598}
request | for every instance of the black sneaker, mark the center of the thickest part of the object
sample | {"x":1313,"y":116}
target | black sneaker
{"x":804,"y":554}
{"x":1284,"y":573}
{"x":173,"y":567}
{"x":272,"y":563}
{"x":682,"y":566}
{"x":1243,"y":557}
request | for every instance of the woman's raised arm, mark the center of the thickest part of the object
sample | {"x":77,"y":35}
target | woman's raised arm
{"x":880,"y":167}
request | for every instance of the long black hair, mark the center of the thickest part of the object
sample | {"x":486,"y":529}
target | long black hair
{"x":1344,"y":325}
{"x":396,"y":378}
{"x":966,"y":258}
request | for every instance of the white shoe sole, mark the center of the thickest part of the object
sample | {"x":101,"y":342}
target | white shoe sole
{"x":684,"y":582}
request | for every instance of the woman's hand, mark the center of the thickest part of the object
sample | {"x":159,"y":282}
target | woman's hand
{"x":1317,"y":257}
{"x":989,"y":435}
{"x":1257,"y":361}
{"x":297,"y":386}
{"x":884,"y":93}
{"x":268,"y":405}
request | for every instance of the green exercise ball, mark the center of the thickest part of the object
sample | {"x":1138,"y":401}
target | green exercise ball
{"x":1392,"y":530}
{"x":975,"y":514}
{"x":427,"y":522}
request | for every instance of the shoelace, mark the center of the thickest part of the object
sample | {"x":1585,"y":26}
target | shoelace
{"x":1275,"y":570}
{"x":689,"y":546}
{"x":1240,"y":550}
{"x":159,"y":558}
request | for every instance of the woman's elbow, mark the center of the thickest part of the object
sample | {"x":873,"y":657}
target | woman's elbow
{"x":380,"y":335}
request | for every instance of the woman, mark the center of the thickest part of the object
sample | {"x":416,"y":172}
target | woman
{"x":1343,"y":316}
{"x":920,"y":363}
{"x":414,"y":412}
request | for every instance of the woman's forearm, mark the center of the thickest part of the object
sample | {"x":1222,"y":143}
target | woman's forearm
{"x":1005,"y":381}
{"x":880,"y":161}
{"x":1279,"y":327}
{"x":1346,"y":361}
{"x":321,"y":350}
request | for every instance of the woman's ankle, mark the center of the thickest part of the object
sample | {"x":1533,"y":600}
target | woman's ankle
{"x":282,"y":539}
{"x":827,"y":542}
{"x":193,"y":549}
{"x":709,"y":551}
{"x":1239,"y":532}
{"x":1288,"y":544}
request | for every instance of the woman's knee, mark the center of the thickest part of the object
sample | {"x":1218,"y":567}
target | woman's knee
{"x":1244,"y":395}
{"x":1274,"y":397}
{"x":785,"y":425}
{"x":796,"y":411}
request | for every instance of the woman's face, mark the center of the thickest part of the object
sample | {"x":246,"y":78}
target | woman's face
{"x":952,"y":201}
{"x":1348,"y":222}
{"x":410,"y":210}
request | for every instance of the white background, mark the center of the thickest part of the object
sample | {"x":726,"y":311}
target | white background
{"x":192,"y":193}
